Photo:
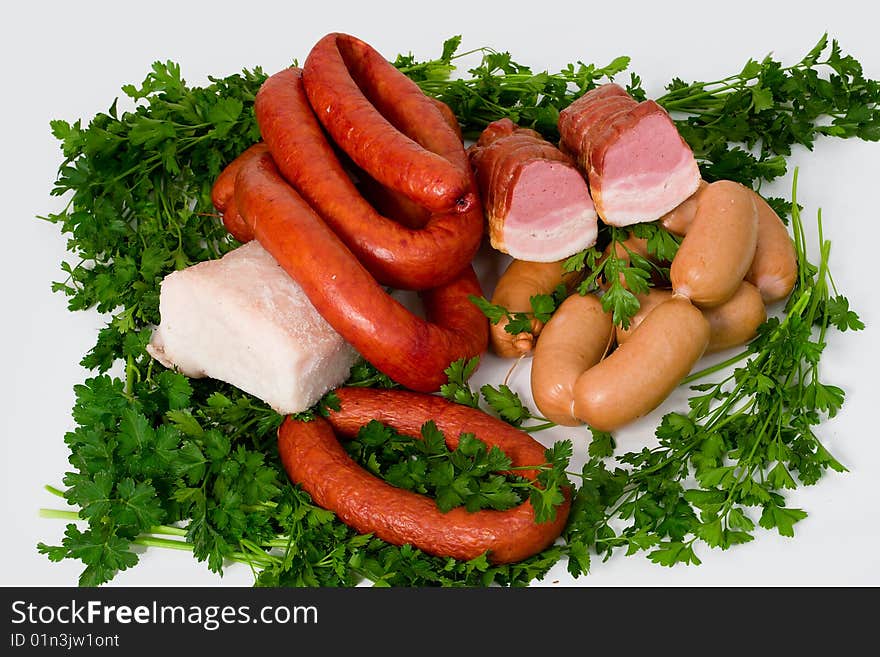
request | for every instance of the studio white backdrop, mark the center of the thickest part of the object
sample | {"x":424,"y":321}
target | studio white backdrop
{"x":65,"y":61}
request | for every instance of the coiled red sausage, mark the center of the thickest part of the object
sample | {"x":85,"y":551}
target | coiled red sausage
{"x":313,"y":457}
{"x":223,"y":193}
{"x":401,"y":257}
{"x":363,"y":101}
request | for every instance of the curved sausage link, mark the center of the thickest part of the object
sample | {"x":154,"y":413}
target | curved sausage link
{"x":774,"y":268}
{"x":386,"y":124}
{"x":515,"y":288}
{"x":412,"y":351}
{"x":401,"y":257}
{"x":735,"y":322}
{"x":572,"y":381}
{"x":719,"y":246}
{"x":639,"y":375}
{"x":679,"y":219}
{"x":576,"y":338}
{"x":313,"y":458}
{"x":392,"y":204}
{"x":223,"y":193}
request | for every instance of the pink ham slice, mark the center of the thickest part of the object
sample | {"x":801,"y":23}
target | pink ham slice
{"x":637,"y":165}
{"x":537,"y":202}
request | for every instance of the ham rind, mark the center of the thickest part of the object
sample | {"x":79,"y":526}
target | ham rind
{"x":570,"y":118}
{"x":595,"y":119}
{"x":640,"y":167}
{"x":537,"y":201}
{"x":243,"y":320}
{"x":637,"y":165}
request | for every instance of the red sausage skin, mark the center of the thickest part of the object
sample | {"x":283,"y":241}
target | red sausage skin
{"x":313,"y":457}
{"x":362,"y":101}
{"x":223,"y":193}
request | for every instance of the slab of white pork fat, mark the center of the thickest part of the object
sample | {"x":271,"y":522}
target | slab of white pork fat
{"x":637,"y":164}
{"x":537,"y":202}
{"x":243,"y":320}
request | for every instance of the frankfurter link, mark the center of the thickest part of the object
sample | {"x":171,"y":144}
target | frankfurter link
{"x":398,"y":256}
{"x":313,"y":457}
{"x":412,"y":351}
{"x":719,"y":246}
{"x":774,"y":268}
{"x":624,"y":251}
{"x":518,"y":284}
{"x":735,"y":322}
{"x":578,"y":336}
{"x":386,"y":124}
{"x":647,"y":302}
{"x":641,"y":373}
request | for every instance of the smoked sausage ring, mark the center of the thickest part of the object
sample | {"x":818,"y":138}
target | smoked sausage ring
{"x":412,"y":351}
{"x":314,"y":458}
{"x":386,"y":124}
{"x":223,"y":193}
{"x":400,"y":257}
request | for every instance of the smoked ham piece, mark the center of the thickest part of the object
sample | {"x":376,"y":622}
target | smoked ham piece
{"x":637,"y":165}
{"x":537,"y":202}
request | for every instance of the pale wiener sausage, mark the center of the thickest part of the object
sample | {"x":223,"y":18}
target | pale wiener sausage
{"x":641,"y":373}
{"x":647,"y":302}
{"x":774,"y":268}
{"x":735,"y":321}
{"x":719,"y":247}
{"x":577,"y":337}
{"x":679,"y":219}
{"x":518,"y":284}
{"x":623,"y":251}
{"x":731,"y":324}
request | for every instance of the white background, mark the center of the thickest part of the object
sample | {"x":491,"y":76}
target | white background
{"x":68,"y":60}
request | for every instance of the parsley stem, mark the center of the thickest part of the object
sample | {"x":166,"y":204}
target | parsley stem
{"x":152,"y":541}
{"x":240,"y":557}
{"x":59,"y":514}
{"x":537,"y":427}
{"x":57,"y":492}
{"x":674,"y":456}
{"x":715,"y":368}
